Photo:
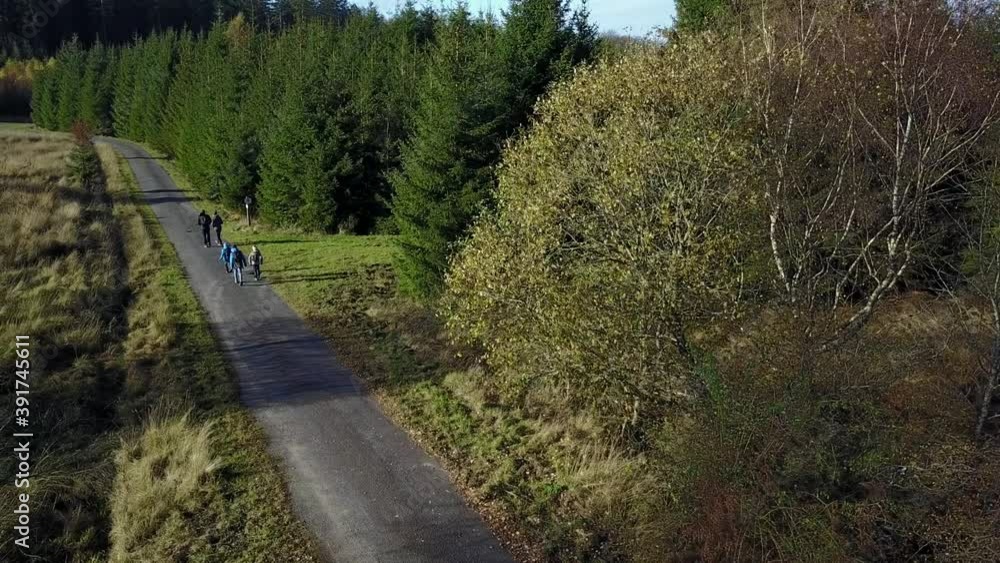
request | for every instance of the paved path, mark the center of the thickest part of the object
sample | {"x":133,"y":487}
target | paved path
{"x":367,"y":492}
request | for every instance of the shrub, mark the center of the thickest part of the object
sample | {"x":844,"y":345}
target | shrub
{"x":620,"y":231}
{"x":85,"y":164}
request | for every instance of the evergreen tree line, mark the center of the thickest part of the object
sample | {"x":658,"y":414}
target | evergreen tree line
{"x":40,"y":27}
{"x":355,"y":126}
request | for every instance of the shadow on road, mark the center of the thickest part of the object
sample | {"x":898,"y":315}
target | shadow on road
{"x":150,"y":157}
{"x":166,"y":199}
{"x":290,"y":365}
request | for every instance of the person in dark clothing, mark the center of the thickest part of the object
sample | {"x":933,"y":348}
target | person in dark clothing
{"x":205,"y":222}
{"x":237,"y":261}
{"x":217,"y":223}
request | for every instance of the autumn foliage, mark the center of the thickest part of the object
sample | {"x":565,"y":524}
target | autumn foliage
{"x":745,"y":251}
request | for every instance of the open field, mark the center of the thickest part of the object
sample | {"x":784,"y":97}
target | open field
{"x":145,"y":453}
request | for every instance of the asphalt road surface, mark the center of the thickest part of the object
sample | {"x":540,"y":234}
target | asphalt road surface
{"x":365,"y":490}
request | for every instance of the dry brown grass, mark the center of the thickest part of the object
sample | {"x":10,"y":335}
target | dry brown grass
{"x":162,"y":477}
{"x":116,"y":333}
{"x":59,"y":253}
{"x":151,"y":326}
{"x":60,"y":285}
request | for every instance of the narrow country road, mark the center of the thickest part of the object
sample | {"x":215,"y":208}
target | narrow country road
{"x":367,"y":492}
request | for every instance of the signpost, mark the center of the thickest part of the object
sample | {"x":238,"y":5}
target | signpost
{"x":247,"y":201}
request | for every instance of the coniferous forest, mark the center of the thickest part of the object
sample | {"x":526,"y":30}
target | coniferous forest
{"x":330,"y":122}
{"x":39,"y":28}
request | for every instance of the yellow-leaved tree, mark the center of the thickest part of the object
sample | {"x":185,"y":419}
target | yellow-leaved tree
{"x":618,"y":239}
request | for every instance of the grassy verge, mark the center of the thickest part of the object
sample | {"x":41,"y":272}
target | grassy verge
{"x":129,"y":393}
{"x":234,"y":501}
{"x":549,"y":483}
{"x":62,"y":286}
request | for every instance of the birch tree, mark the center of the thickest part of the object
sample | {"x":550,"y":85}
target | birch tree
{"x":865,"y":113}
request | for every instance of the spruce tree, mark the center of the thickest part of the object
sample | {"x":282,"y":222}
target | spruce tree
{"x":210,"y":110}
{"x":70,"y":63}
{"x":358,"y":63}
{"x":156,"y":71}
{"x":176,"y":136}
{"x":95,"y":91}
{"x":45,"y":96}
{"x":132,"y":125}
{"x":286,"y":159}
{"x":445,"y":170}
{"x":308,"y":165}
{"x":124,"y":91}
{"x":152,"y":62}
{"x":540,"y":43}
{"x":237,"y":134}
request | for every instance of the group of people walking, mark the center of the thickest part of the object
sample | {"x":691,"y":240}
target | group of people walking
{"x":232,"y":257}
{"x":207,"y":223}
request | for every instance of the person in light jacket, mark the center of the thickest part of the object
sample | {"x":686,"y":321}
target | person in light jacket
{"x":256,"y":260}
{"x":225,"y":255}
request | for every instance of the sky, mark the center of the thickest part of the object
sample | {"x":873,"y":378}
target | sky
{"x":635,"y":17}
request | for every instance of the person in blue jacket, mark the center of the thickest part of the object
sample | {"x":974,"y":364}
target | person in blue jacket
{"x":226,"y":256}
{"x":237,"y":261}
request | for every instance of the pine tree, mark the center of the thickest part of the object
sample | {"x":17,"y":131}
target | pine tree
{"x":45,"y":96}
{"x":70,"y":63}
{"x":124,"y":91}
{"x":95,"y":91}
{"x":540,"y":43}
{"x":446,"y":164}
